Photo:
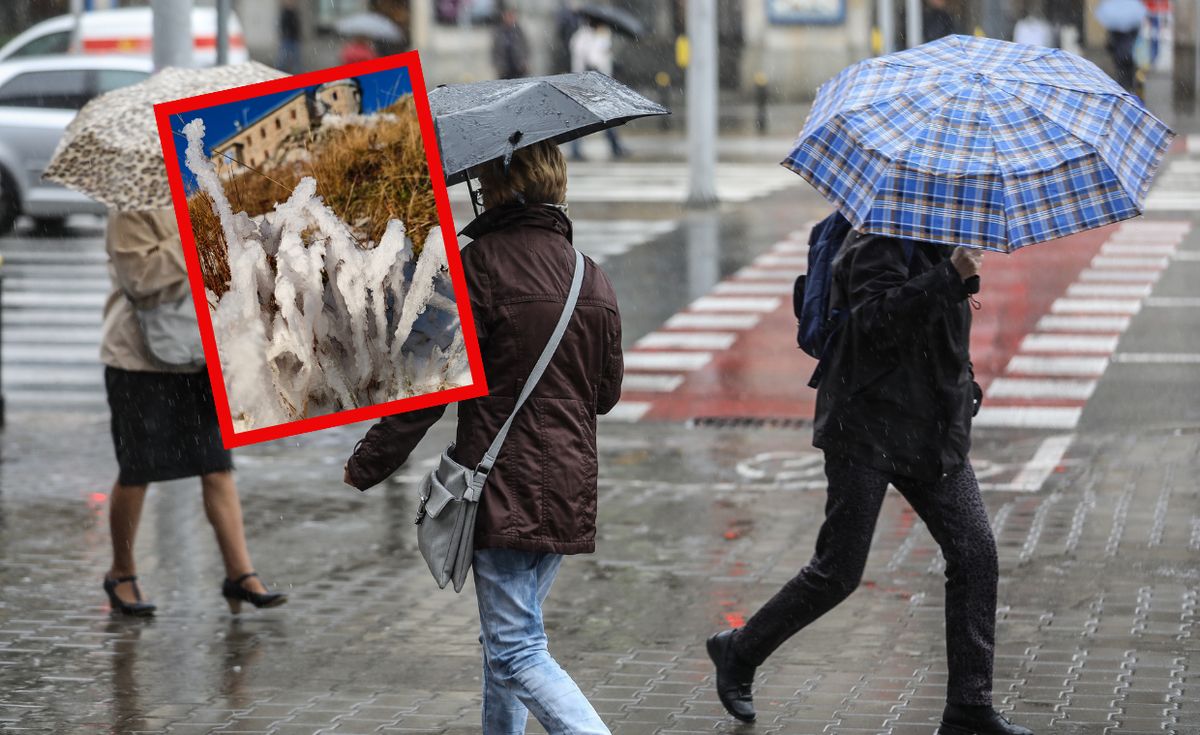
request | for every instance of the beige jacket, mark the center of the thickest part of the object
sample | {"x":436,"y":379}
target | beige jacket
{"x":145,"y":261}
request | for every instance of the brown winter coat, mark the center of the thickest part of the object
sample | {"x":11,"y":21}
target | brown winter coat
{"x":541,"y":494}
{"x":145,"y":262}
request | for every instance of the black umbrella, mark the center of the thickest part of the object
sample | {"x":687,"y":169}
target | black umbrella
{"x":619,"y":20}
{"x":483,"y":121}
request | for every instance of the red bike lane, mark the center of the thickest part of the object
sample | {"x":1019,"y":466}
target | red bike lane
{"x":732,"y":354}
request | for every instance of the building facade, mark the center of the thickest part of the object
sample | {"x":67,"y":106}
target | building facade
{"x":261,"y":141}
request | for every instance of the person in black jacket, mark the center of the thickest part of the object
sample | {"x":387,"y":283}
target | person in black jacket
{"x":937,"y":22}
{"x":894,"y":405}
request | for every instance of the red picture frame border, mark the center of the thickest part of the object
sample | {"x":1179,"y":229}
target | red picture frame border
{"x":478,"y":386}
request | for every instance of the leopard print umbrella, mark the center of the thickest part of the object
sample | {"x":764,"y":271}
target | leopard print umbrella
{"x":111,"y":151}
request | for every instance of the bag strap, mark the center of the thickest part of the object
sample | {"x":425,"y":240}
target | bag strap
{"x":479,"y":477}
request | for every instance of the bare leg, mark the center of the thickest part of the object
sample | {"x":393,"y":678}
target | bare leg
{"x":124,"y":514}
{"x":224,"y":511}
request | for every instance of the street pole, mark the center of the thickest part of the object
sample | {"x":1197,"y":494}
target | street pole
{"x":223,"y":11}
{"x":1196,"y":57}
{"x":172,"y":33}
{"x":913,"y":22}
{"x":886,"y":10}
{"x":420,"y":25}
{"x":702,"y":102}
{"x":77,"y":28}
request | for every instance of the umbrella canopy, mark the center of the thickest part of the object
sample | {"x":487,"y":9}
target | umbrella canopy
{"x":375,"y":26}
{"x":977,"y":142}
{"x":483,"y":121}
{"x":1121,"y":15}
{"x":619,"y":20}
{"x":111,"y":151}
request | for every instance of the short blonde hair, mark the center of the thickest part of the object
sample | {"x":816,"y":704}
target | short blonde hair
{"x":537,"y":174}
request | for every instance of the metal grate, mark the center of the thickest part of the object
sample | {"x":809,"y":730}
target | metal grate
{"x":749,"y":422}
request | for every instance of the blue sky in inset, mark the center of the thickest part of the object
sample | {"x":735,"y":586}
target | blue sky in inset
{"x":379,"y":89}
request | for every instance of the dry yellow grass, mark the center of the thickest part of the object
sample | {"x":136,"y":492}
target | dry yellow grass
{"x":368,"y":175}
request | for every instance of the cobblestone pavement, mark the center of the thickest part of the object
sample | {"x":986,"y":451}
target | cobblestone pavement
{"x":1097,"y":612}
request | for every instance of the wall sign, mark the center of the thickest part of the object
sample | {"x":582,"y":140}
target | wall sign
{"x":815,"y":12}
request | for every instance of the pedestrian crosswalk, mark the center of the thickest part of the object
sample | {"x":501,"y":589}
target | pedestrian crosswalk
{"x":721,"y":357}
{"x":644,"y":182}
{"x":668,"y":182}
{"x":53,"y":296}
{"x":1047,"y":383}
{"x":603,"y":239}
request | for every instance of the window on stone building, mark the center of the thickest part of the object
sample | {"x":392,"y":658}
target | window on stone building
{"x":262,"y":132}
{"x":278,"y":124}
{"x":335,"y":95}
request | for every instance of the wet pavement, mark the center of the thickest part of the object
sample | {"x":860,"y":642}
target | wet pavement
{"x":702,"y":517}
{"x":1097,"y":618}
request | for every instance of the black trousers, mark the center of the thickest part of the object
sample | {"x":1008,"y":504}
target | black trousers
{"x":953,"y":511}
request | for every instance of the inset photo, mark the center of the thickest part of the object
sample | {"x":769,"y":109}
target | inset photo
{"x":321,"y":252}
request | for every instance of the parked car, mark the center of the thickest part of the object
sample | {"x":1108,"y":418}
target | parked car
{"x":38,"y":98}
{"x":124,"y":31}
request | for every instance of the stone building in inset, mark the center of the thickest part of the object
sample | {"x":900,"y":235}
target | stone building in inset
{"x":262,"y":140}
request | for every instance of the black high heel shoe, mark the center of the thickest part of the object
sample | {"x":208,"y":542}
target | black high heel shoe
{"x":139,"y":608}
{"x":235,"y":594}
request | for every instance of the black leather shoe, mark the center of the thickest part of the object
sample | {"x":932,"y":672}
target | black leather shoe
{"x":734,"y":678}
{"x":138,"y":608}
{"x":960,"y":719}
{"x":235,"y":594}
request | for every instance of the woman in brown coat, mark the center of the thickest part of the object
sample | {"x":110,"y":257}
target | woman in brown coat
{"x":164,"y":424}
{"x":540,"y":499}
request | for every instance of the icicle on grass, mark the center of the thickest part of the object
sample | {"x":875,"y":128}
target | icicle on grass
{"x":312,"y":321}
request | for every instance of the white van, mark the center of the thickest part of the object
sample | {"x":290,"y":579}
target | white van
{"x":125,"y":31}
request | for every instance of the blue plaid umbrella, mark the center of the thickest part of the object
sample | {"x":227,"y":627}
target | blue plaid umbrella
{"x":977,"y":142}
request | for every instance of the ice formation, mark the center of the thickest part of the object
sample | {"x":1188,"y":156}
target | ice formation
{"x":313,"y":322}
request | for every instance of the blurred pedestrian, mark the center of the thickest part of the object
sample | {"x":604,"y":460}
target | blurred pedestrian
{"x":288,"y":59}
{"x":510,"y":49}
{"x":1033,"y":29}
{"x":936,"y":21}
{"x":894,"y":403}
{"x":566,"y":22}
{"x":1158,"y":16}
{"x":539,"y":501}
{"x":358,"y":48}
{"x":164,"y":424}
{"x":591,"y":50}
{"x":1122,"y":19}
{"x":1119,"y":45}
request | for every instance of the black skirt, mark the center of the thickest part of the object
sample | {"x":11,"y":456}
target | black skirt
{"x":164,"y":426}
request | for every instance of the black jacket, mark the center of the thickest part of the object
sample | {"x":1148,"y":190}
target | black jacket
{"x":897,"y":393}
{"x":541,"y":494}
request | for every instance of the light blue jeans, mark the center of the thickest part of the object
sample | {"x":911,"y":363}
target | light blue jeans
{"x":519,"y":675}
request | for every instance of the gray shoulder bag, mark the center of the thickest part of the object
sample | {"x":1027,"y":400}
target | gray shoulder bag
{"x":450,"y":493}
{"x":171,"y":332}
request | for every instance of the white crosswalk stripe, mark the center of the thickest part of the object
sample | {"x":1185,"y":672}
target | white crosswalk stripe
{"x":651,"y":382}
{"x":1072,"y":323}
{"x":706,"y":320}
{"x":668,"y":182}
{"x":1069,"y":343}
{"x":1177,"y":188}
{"x":602,"y":239}
{"x":751,"y":288}
{"x":1050,"y":417}
{"x":54,"y":292}
{"x":687,"y":340}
